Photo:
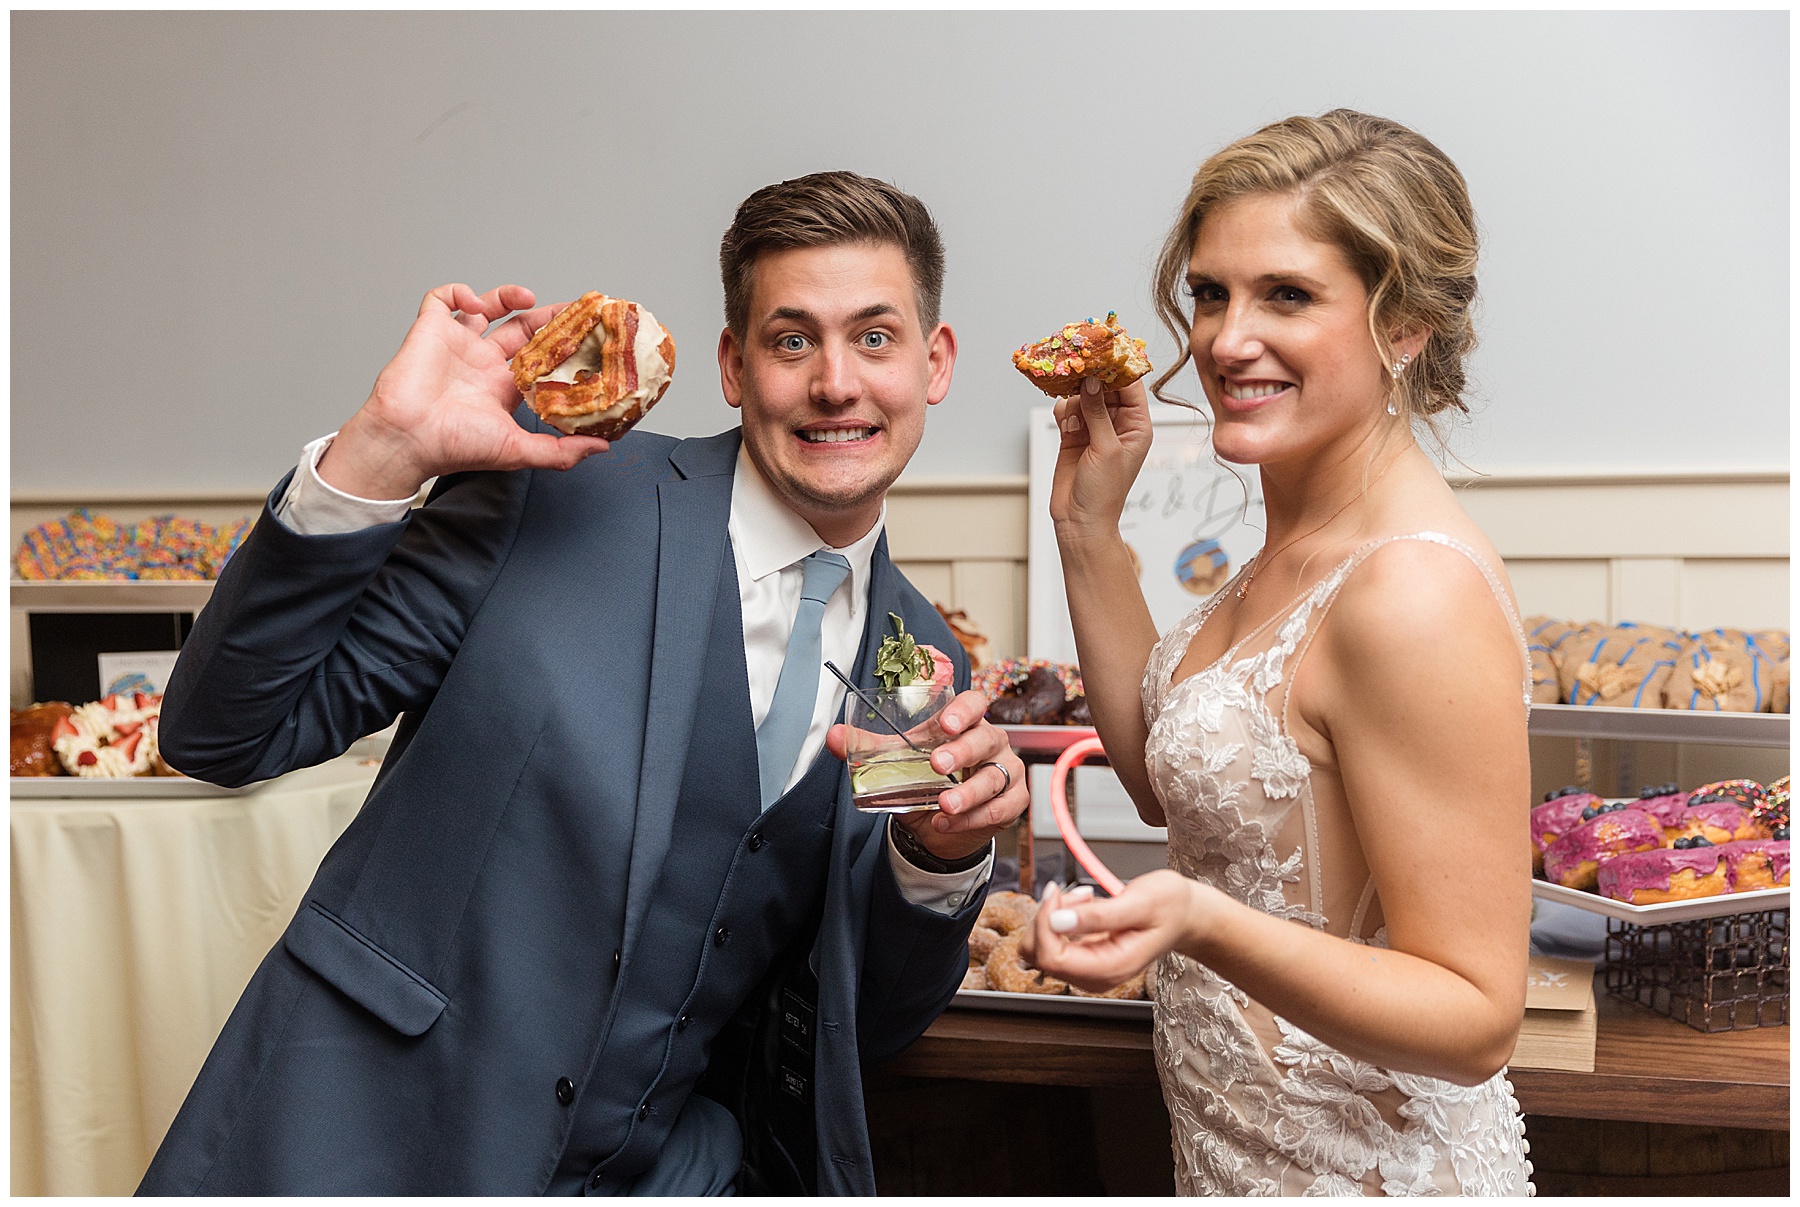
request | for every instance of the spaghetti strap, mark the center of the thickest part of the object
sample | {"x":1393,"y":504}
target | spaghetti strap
{"x":1325,"y":594}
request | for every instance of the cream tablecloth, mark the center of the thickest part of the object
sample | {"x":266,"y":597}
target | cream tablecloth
{"x":136,"y":924}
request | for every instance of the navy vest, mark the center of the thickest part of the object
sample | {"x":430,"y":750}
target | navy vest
{"x":739,"y":885}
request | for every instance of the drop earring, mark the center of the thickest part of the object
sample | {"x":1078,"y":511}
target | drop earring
{"x":1399,"y":365}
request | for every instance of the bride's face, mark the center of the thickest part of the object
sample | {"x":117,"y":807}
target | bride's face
{"x":1280,"y":337}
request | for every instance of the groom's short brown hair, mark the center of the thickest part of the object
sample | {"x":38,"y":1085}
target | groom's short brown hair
{"x":826,"y":209}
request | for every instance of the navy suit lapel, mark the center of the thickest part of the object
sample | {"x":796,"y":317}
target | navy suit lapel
{"x":694,"y":511}
{"x":884,"y":597}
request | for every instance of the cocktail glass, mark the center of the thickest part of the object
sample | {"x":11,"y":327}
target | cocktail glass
{"x":890,"y":773}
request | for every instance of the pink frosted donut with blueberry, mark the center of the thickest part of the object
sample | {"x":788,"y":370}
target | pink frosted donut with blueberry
{"x":1552,"y":819}
{"x":1654,"y":877}
{"x":1574,"y":859}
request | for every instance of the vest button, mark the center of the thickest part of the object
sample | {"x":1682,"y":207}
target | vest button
{"x":565,"y":1090}
{"x":681,"y":1024}
{"x":644,"y":1112}
{"x":721,"y":935}
{"x":595,"y":1180}
{"x":756,"y":842}
{"x":615,"y":959}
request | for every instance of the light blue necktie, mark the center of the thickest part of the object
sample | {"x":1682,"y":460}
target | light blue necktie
{"x":783,"y":731}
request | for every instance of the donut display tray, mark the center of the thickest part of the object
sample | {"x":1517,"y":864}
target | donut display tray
{"x":1050,"y":1003}
{"x":1668,"y":911}
{"x":146,"y":787}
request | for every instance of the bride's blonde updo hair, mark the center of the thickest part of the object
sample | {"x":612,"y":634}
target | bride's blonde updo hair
{"x":1390,"y":201}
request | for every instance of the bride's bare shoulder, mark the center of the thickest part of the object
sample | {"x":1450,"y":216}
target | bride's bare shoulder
{"x":1422,"y":608}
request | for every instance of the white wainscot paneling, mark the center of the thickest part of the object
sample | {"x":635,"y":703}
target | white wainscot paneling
{"x":1563,"y":589}
{"x":1745,"y":593}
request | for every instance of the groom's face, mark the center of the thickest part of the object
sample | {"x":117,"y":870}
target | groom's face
{"x":833,"y":375}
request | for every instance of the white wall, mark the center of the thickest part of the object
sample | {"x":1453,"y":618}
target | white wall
{"x":222,"y":222}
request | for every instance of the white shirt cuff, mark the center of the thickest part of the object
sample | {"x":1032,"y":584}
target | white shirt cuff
{"x":314,"y":507}
{"x":942,"y":892}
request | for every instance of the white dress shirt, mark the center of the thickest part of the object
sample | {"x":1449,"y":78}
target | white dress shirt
{"x":768,"y":541}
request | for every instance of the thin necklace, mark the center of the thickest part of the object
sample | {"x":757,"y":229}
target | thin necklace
{"x":1256,"y":563}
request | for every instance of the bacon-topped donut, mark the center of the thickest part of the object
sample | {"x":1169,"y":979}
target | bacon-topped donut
{"x":596,"y":368}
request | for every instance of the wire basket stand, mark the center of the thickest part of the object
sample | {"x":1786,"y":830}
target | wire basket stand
{"x":1727,"y":973}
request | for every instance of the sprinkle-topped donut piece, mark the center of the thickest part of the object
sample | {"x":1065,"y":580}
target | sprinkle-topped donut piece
{"x":1058,"y":364}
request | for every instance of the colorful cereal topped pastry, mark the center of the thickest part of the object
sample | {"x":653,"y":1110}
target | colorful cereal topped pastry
{"x":1573,"y":859}
{"x":1653,"y":877}
{"x":1058,"y":364}
{"x":596,"y":368}
{"x":1556,"y":817}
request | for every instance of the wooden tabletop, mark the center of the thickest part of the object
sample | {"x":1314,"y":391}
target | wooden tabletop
{"x":1646,"y":1067}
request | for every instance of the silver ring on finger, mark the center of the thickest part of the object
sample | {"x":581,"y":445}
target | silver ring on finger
{"x":1007,"y":787}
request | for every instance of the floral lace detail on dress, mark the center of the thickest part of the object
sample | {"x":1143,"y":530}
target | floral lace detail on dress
{"x":1258,"y":1106}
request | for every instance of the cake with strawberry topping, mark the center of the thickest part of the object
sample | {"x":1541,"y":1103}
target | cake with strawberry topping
{"x":112,"y":738}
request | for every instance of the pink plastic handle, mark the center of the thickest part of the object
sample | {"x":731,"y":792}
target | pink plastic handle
{"x":1059,"y":805}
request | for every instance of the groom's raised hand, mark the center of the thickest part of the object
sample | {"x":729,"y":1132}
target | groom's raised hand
{"x":444,"y":403}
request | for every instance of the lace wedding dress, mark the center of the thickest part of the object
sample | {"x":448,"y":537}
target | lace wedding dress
{"x":1257,"y":1106}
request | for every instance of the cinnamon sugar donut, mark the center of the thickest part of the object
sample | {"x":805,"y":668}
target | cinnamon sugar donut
{"x":982,"y":941}
{"x":1008,"y":972}
{"x":1130,"y":991}
{"x":974,"y":978}
{"x":1007,"y":912}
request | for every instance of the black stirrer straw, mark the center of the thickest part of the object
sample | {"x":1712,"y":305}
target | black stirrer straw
{"x":876,"y":709}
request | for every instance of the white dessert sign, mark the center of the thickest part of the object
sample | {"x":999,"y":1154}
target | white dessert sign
{"x":1190,"y":522}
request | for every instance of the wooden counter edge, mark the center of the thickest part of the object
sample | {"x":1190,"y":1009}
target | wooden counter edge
{"x":970,"y":1046}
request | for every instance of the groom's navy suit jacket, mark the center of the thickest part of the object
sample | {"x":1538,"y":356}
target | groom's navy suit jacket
{"x":542,"y":637}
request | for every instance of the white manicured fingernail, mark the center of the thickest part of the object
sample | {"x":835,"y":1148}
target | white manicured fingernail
{"x":1080,"y":892}
{"x":1062,"y":921}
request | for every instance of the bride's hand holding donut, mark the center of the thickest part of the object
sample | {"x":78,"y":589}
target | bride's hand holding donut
{"x":1096,"y":943}
{"x":1105,"y":438}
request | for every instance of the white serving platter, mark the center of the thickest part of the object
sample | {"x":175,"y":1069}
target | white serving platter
{"x":137,"y":787}
{"x":1668,"y":911}
{"x":1050,"y":1003}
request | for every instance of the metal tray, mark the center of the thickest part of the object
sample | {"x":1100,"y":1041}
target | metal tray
{"x":1050,"y":1003}
{"x":1668,"y":911}
{"x":137,"y":787}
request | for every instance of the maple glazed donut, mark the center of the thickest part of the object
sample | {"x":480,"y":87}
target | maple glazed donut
{"x":596,"y":368}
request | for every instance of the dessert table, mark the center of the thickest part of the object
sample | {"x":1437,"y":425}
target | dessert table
{"x":136,"y":923}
